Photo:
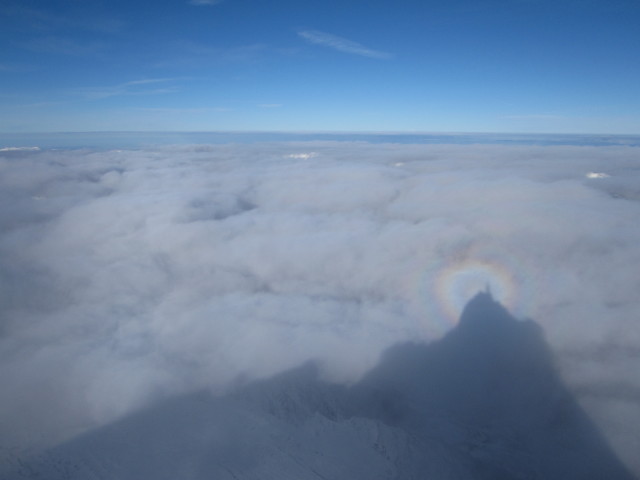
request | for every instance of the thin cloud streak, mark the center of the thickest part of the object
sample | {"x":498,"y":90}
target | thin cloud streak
{"x":193,"y":55}
{"x":204,"y":2}
{"x":63,"y":46}
{"x":14,"y":68}
{"x":170,"y":111}
{"x":43,"y":20}
{"x":341,"y":44}
{"x":128,"y":88}
{"x":534,"y":116}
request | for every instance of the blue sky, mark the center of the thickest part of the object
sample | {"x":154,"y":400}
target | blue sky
{"x":563,"y":66}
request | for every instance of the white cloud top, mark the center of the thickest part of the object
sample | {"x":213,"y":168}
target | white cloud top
{"x":130,"y":275}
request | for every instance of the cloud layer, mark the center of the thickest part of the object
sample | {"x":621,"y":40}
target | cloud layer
{"x":341,"y":44}
{"x":126,"y":276}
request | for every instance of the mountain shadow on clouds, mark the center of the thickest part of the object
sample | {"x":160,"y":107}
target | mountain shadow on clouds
{"x":484,"y":402}
{"x":489,"y":392}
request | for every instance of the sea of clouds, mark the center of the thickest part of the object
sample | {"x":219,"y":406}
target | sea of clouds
{"x":130,"y":275}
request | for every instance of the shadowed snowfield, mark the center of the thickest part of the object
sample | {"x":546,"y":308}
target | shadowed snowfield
{"x":128,"y":277}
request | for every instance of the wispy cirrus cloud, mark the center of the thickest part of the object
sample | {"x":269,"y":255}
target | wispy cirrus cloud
{"x":189,"y":54}
{"x":150,"y":86}
{"x":63,"y":46}
{"x":204,"y":2}
{"x":51,"y":20}
{"x":341,"y":44}
{"x":181,"y":111}
{"x":536,"y":116}
{"x":14,"y":68}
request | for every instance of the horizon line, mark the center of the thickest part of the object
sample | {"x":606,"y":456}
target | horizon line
{"x":318,"y":132}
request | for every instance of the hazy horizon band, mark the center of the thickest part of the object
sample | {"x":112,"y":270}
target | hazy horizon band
{"x":143,"y":139}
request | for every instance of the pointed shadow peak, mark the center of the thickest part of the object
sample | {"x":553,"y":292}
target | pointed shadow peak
{"x":486,"y":319}
{"x":483,"y":310}
{"x":483,"y":316}
{"x":487,"y":334}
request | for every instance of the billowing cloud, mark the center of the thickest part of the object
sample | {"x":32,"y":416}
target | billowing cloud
{"x":126,"y":276}
{"x":341,"y":44}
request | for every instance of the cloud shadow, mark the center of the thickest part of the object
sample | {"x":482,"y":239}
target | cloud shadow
{"x":484,"y":402}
